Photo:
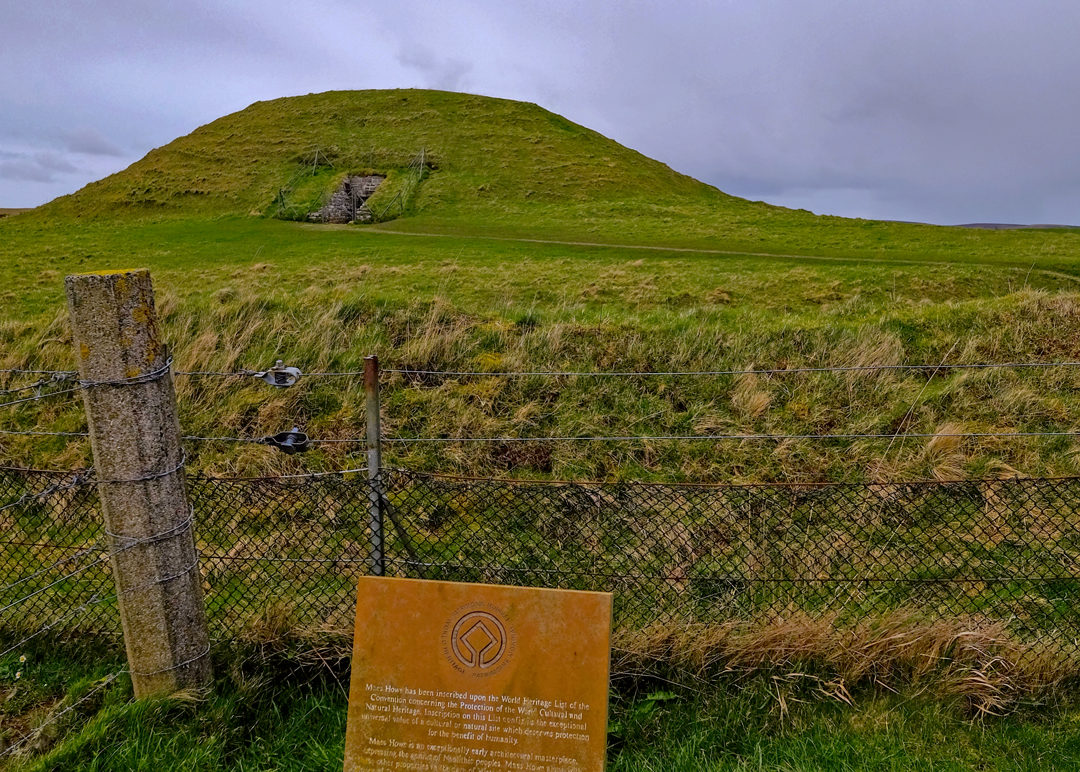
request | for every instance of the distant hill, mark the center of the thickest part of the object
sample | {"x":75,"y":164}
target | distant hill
{"x":1002,"y":226}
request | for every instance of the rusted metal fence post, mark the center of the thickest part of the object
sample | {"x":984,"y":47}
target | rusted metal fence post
{"x":126,"y":375}
{"x":377,"y":561}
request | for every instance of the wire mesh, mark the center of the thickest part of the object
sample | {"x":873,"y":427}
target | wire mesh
{"x":53,"y":563}
{"x":1005,"y":552}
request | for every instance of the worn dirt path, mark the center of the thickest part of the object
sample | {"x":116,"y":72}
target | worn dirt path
{"x":697,"y":250}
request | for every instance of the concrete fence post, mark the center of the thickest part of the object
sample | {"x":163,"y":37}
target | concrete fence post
{"x":377,"y":560}
{"x":139,"y":465}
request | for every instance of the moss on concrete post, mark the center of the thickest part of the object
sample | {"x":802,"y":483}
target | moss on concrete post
{"x":136,"y":436}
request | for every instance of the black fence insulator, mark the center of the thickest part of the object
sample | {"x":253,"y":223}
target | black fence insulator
{"x":289,"y":442}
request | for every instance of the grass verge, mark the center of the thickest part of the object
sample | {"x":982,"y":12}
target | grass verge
{"x":269,"y":712}
{"x":241,"y":293}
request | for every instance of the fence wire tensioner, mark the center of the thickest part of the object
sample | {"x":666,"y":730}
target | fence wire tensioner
{"x":279,"y":375}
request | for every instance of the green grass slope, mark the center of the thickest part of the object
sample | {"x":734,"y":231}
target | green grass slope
{"x":482,"y":150}
{"x":531,"y":244}
{"x":498,"y":167}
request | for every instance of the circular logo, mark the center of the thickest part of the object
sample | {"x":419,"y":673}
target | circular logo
{"x":478,"y":640}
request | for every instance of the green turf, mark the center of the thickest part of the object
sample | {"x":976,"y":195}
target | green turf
{"x":900,"y":732}
{"x":251,"y":723}
{"x":240,"y":292}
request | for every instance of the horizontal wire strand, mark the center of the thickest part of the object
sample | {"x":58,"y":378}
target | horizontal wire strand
{"x":768,"y":371}
{"x":106,"y":681}
{"x":38,"y":397}
{"x":705,"y":437}
{"x":67,"y":374}
{"x":602,"y":438}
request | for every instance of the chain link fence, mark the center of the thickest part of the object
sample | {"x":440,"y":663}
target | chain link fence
{"x":1005,"y":552}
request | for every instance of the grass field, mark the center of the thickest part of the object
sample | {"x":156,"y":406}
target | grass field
{"x":766,"y":722}
{"x":535,"y":244}
{"x":242,"y":292}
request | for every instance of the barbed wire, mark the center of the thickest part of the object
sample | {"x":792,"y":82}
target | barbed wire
{"x":213,"y":374}
{"x":682,"y":484}
{"x":149,"y":377}
{"x":54,"y":488}
{"x":587,"y":438}
{"x":312,"y":475}
{"x":82,"y":385}
{"x":20,"y":371}
{"x":136,"y":541}
{"x":535,"y":570}
{"x":251,"y":440}
{"x":648,"y":373}
{"x":28,"y":387}
{"x":707,"y":437}
{"x":98,"y":598}
{"x":54,"y":583}
{"x":69,"y":559}
{"x":37,"y":397}
{"x":58,"y":377}
{"x":190,"y":661}
{"x":294,"y":476}
{"x":765,"y":371}
{"x":148,"y":477}
{"x":645,"y":437}
{"x":166,"y":367}
{"x":601,"y":373}
{"x":34,"y":433}
{"x":85,"y":478}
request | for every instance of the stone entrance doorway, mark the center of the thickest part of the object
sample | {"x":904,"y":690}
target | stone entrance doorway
{"x":348,"y":202}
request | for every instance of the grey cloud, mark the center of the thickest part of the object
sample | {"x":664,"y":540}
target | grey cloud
{"x":965,"y":110}
{"x":90,"y":142}
{"x":24,"y":170}
{"x":38,"y":167}
{"x":446,"y":74}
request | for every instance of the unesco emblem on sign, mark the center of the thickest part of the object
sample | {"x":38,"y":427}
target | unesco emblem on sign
{"x":477,"y":641}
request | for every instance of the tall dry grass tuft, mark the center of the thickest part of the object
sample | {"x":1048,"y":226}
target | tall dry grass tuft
{"x":271,"y":627}
{"x":976,"y":663}
{"x":870,"y":346}
{"x":944,"y":452}
{"x":275,"y":640}
{"x":749,"y":398}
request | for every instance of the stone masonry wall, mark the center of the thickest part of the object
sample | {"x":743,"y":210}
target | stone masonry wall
{"x":347,"y":202}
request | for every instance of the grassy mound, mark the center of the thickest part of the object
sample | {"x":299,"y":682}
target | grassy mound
{"x":483,"y":152}
{"x":497,"y":167}
{"x":532,"y":243}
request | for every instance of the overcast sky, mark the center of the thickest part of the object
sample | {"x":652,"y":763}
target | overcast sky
{"x":935,"y":110}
